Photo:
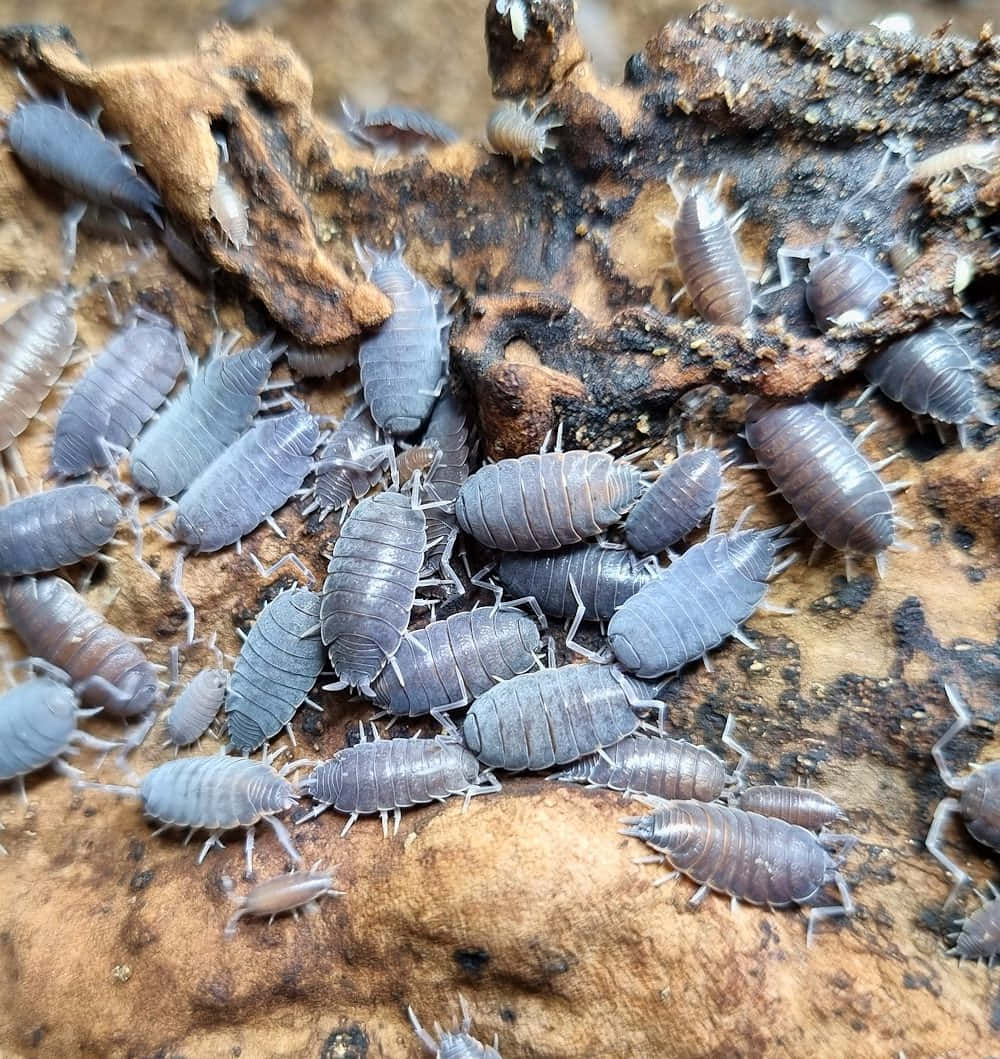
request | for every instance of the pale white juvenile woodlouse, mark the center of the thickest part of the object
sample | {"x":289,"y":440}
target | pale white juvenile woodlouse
{"x":458,"y":1045}
{"x":514,"y":129}
{"x":284,"y":893}
{"x":229,"y":208}
{"x":517,"y":12}
{"x":196,"y":707}
{"x":752,"y":858}
{"x":963,"y":157}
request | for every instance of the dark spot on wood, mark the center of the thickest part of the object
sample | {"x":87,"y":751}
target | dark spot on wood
{"x":472,"y":962}
{"x":349,"y":1042}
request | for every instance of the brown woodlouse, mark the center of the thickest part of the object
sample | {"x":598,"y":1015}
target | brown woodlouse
{"x":978,"y":801}
{"x":795,"y":805}
{"x":514,"y":129}
{"x":753,"y":858}
{"x":284,"y":893}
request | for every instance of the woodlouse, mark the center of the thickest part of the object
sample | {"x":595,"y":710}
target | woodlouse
{"x":105,"y":667}
{"x":699,"y":601}
{"x":196,"y":707}
{"x":795,"y":805}
{"x":244,"y":486}
{"x":979,"y":937}
{"x":708,"y":258}
{"x":448,"y":434}
{"x":278,"y":664}
{"x":38,"y":725}
{"x":117,"y":396}
{"x":515,"y":129}
{"x":447,"y":663}
{"x":978,"y":801}
{"x":752,"y":858}
{"x":203,"y":420}
{"x":658,"y":766}
{"x":388,"y":775}
{"x":228,"y":207}
{"x":517,"y":12}
{"x":962,"y":157}
{"x":543,"y":502}
{"x":403,"y":365}
{"x":284,"y":893}
{"x":931,"y":373}
{"x":44,"y":531}
{"x":36,"y":343}
{"x":844,"y":287}
{"x":552,"y":717}
{"x":320,"y":362}
{"x":396,"y":128}
{"x":350,"y":462}
{"x":61,"y":146}
{"x":676,"y":503}
{"x":829,"y":483}
{"x":460,"y":1044}
{"x":216,"y":794}
{"x":371,"y":586}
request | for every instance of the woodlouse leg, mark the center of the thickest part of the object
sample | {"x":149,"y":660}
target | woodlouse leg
{"x":281,"y":833}
{"x":288,"y":557}
{"x":845,"y":908}
{"x":963,"y":718}
{"x":248,"y":854}
{"x":946,"y":808}
{"x":177,"y":584}
{"x":699,"y":895}
{"x":744,"y":754}
{"x":70,"y":223}
{"x":426,"y":1039}
{"x":213,"y":840}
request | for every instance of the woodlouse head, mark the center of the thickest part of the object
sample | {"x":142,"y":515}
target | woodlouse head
{"x":106,"y":510}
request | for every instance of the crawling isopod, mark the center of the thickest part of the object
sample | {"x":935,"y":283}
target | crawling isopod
{"x":283,"y":893}
{"x":676,"y":503}
{"x":931,"y":373}
{"x":979,"y":938}
{"x":196,"y":707}
{"x":708,"y":258}
{"x":388,"y":775}
{"x":795,"y":805}
{"x":396,"y":128}
{"x":45,"y":531}
{"x":447,"y":663}
{"x":403,"y":365}
{"x":962,"y":157}
{"x":978,"y":801}
{"x":658,"y":766}
{"x":844,"y":287}
{"x":371,"y":586}
{"x":515,"y":129}
{"x":119,"y":393}
{"x":206,"y":418}
{"x":350,"y":462}
{"x":815,"y":466}
{"x":38,"y":725}
{"x":54,"y":623}
{"x":552,"y":717}
{"x":460,"y":1044}
{"x":36,"y":343}
{"x":753,"y":858}
{"x":215,"y":794}
{"x":58,"y":144}
{"x":417,"y":458}
{"x":277,"y":666}
{"x":320,"y":362}
{"x":699,"y":601}
{"x":542,"y":502}
{"x":448,"y":434}
{"x":230,"y":211}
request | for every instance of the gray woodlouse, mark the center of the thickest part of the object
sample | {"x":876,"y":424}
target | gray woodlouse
{"x":106,"y":668}
{"x":658,"y":766}
{"x":388,"y":775}
{"x":36,"y":343}
{"x":371,"y":586}
{"x":543,"y":502}
{"x":448,"y":433}
{"x":447,"y":663}
{"x":284,"y":893}
{"x":844,"y":288}
{"x":216,"y":794}
{"x":676,"y":503}
{"x":403,"y":365}
{"x":320,"y":362}
{"x":979,"y":937}
{"x":61,"y":146}
{"x":350,"y":462}
{"x":552,"y":717}
{"x":244,"y":486}
{"x":699,"y":601}
{"x":460,"y":1044}
{"x":978,"y":801}
{"x":829,"y":483}
{"x":708,"y":258}
{"x":396,"y":128}
{"x":38,"y":725}
{"x":45,"y":531}
{"x":931,"y":373}
{"x":278,"y":664}
{"x":196,"y":707}
{"x":514,"y":129}
{"x":203,"y":420}
{"x":752,"y":858}
{"x":117,"y":396}
{"x":795,"y":805}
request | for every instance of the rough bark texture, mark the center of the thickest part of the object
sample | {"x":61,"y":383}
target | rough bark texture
{"x":530,"y":904}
